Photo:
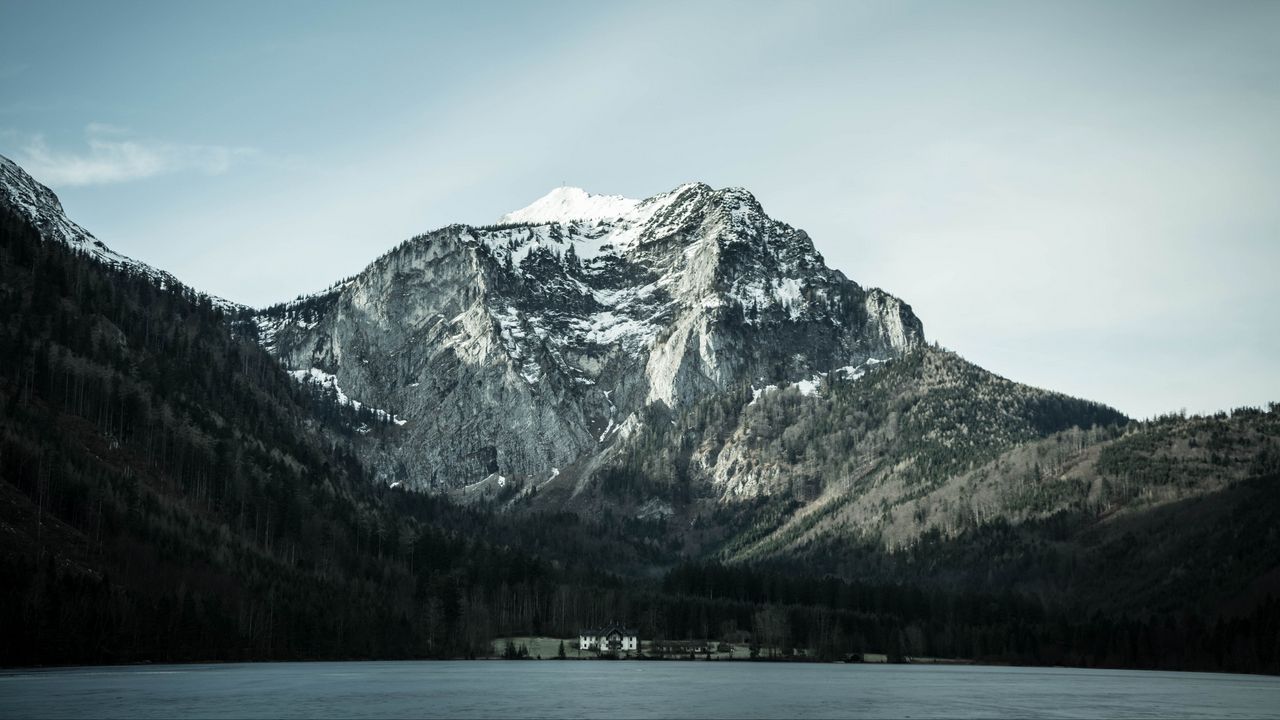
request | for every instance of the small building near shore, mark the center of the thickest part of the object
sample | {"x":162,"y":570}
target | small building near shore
{"x":611,"y":638}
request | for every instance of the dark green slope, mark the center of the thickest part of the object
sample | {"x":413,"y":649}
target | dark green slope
{"x":932,"y":472}
{"x":167,"y":492}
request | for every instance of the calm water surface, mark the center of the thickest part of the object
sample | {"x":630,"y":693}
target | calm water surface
{"x":625,"y":689}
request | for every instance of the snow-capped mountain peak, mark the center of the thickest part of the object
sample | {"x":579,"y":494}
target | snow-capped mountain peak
{"x":566,"y":204}
{"x":541,"y":341}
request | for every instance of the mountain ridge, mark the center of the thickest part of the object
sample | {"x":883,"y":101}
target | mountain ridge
{"x":654,"y":300}
{"x":170,"y":493}
{"x":44,"y":210}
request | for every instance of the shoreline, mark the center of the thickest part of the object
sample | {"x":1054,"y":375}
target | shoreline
{"x":961,"y":663}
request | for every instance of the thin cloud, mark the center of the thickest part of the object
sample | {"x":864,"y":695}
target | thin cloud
{"x":113,"y":157}
{"x":97,"y":129}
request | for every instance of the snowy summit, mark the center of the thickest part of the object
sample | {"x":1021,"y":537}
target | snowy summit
{"x":565,"y":204}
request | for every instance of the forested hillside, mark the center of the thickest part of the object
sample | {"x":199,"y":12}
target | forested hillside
{"x":169,"y":492}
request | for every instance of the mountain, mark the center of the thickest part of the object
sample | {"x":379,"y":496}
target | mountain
{"x":169,"y":492}
{"x":37,"y":205}
{"x":794,"y":462}
{"x":837,"y":456}
{"x":522,"y":350}
{"x":931,"y":471}
{"x":572,"y":351}
{"x":687,"y":362}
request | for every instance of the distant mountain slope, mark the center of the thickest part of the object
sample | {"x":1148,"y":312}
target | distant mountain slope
{"x":1177,"y":515}
{"x":39,"y":206}
{"x":877,"y":443}
{"x":835,"y":454}
{"x":521,"y":350}
{"x":929,"y":470}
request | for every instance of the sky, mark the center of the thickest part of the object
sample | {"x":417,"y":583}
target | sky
{"x":1081,"y":196}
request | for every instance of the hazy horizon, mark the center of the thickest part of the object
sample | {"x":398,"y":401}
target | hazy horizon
{"x":1077,"y":196}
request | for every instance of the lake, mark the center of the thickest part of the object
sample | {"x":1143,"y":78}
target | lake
{"x":626,"y":689}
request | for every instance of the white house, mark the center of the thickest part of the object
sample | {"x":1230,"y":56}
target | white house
{"x":611,"y":638}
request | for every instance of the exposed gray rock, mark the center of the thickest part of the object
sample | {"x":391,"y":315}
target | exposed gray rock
{"x":532,"y":345}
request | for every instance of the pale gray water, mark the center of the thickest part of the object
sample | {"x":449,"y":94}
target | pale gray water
{"x":626,"y":689}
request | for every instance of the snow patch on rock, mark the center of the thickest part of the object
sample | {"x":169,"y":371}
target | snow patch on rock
{"x":330,"y":381}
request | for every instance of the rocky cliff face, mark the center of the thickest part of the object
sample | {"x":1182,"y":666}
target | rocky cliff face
{"x":525,"y":349}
